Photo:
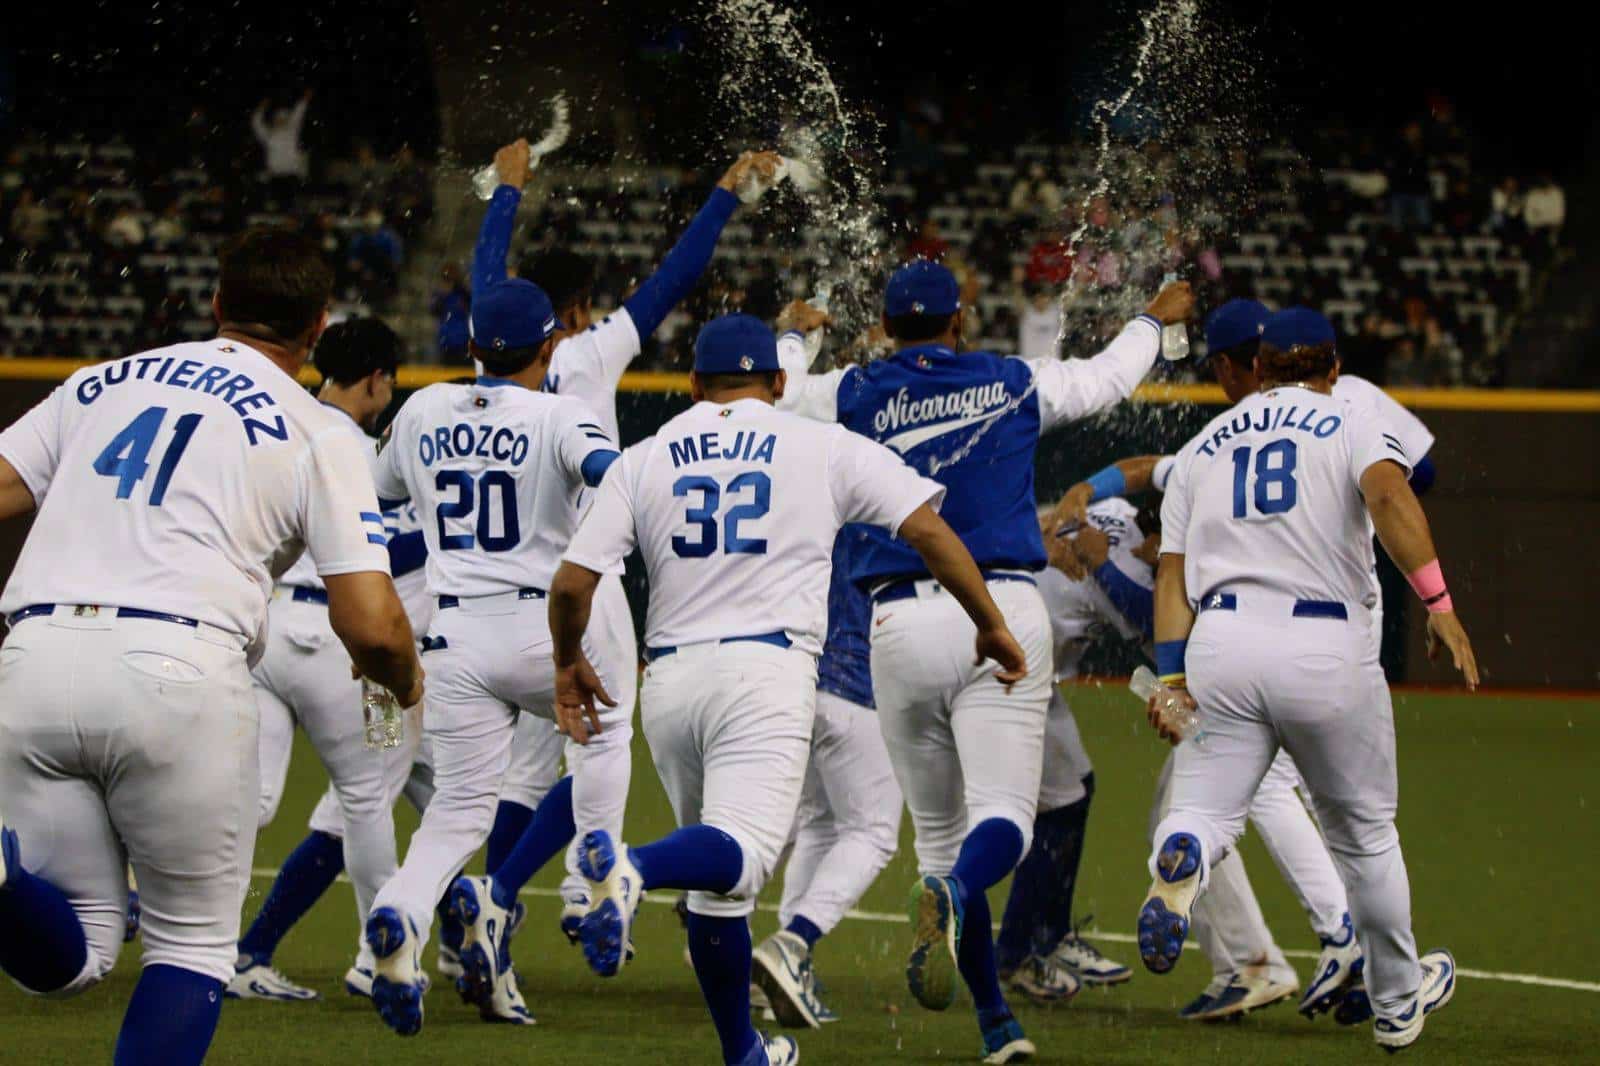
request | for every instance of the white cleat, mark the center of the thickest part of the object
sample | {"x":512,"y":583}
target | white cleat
{"x":1438,"y":985}
{"x":397,"y":978}
{"x":1083,"y":960}
{"x":256,"y":979}
{"x":615,"y":889}
{"x":574,"y":905}
{"x":1043,"y":982}
{"x":486,"y":939}
{"x":449,"y":964}
{"x":1238,"y":994}
{"x":781,"y":967}
{"x":1338,"y":970}
{"x":773,"y":1051}
{"x":358,"y":978}
{"x":759,"y":1003}
{"x":505,"y":1004}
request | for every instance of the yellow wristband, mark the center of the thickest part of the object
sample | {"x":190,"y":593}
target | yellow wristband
{"x":1175,"y":680}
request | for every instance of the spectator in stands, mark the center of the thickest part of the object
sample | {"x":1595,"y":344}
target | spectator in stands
{"x":929,"y":243}
{"x":451,"y":305}
{"x":287,"y":164}
{"x":1039,"y":324}
{"x":30,"y":219}
{"x":1036,"y":194}
{"x":125,"y":230}
{"x":1505,"y":208}
{"x":1049,"y":261}
{"x":169,"y":228}
{"x":1404,"y":367}
{"x":374,"y":259}
{"x":410,"y":193}
{"x":1410,"y":188}
{"x":1544,"y":210}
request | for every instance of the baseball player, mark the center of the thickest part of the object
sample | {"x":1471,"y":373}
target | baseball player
{"x":1263,"y":595}
{"x":495,"y":468}
{"x":967,"y":755}
{"x":849,"y":821}
{"x":304,"y":678}
{"x":171,"y":486}
{"x":735,"y":507}
{"x":590,"y":358}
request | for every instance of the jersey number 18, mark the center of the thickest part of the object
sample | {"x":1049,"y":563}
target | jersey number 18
{"x":1275,"y":488}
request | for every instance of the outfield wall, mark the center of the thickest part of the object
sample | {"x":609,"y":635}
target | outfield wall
{"x":1514,"y":510}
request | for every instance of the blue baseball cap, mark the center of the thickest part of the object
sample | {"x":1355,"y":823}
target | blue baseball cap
{"x":1234,"y":323}
{"x":514,"y":313}
{"x":1296,"y":326}
{"x":922,"y":287}
{"x":735,"y":344}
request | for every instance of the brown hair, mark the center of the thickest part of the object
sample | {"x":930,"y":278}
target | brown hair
{"x":275,"y":278}
{"x":1303,"y":362}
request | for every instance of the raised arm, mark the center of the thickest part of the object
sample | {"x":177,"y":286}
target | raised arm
{"x":1070,"y":389}
{"x":499,"y":221}
{"x":1403,"y":530}
{"x":1122,"y":478}
{"x":804,"y":393}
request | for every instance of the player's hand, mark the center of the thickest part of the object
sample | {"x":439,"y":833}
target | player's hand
{"x":765,"y":163}
{"x":802,"y":317}
{"x":1073,"y":510}
{"x":1165,"y":707}
{"x":1173,"y":304}
{"x":511,"y":163}
{"x":1060,"y":552}
{"x":1002,"y":647}
{"x":413,"y":695}
{"x":578,"y":688}
{"x":1092,"y":547}
{"x":1444,"y":629}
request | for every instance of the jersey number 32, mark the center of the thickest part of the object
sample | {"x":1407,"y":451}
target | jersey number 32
{"x":705,"y":517}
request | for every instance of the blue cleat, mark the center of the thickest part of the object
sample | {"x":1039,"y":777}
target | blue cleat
{"x":10,"y":854}
{"x":936,"y":915}
{"x":772,"y":1051}
{"x":615,"y":889}
{"x":1164,"y":918}
{"x":1004,"y":1042}
{"x":130,"y":929}
{"x":397,"y":980}
{"x":1438,"y":986}
{"x":1338,"y":970}
{"x":1355,"y":1008}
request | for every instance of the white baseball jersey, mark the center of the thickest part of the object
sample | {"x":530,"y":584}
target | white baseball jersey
{"x":1414,"y":437}
{"x":1078,"y":609}
{"x":1268,"y":496}
{"x":735,"y":507}
{"x":303,"y":572}
{"x":168,"y":480}
{"x":587,"y":366}
{"x":494,"y":470}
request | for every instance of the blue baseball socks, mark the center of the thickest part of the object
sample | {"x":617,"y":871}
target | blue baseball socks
{"x":308,"y":872}
{"x":1039,"y":910}
{"x":990,"y":852}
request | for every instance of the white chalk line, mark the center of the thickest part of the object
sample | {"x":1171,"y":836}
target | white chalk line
{"x":889,"y":917}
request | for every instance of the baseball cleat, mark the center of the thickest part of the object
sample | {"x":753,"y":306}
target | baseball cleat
{"x":615,"y":888}
{"x":1044,"y":982}
{"x":449,"y":964}
{"x":574,"y":906}
{"x":936,"y":941}
{"x":130,"y":927}
{"x":1164,"y":918}
{"x":1338,"y":970}
{"x":781,"y":967}
{"x":397,"y":978}
{"x":1237,"y":994}
{"x":505,"y":1005}
{"x":1004,"y":1042}
{"x":772,"y":1051}
{"x":256,"y":979}
{"x":1438,"y":985}
{"x":1083,"y":960}
{"x":1355,"y":1007}
{"x":485,"y":941}
{"x":10,"y":854}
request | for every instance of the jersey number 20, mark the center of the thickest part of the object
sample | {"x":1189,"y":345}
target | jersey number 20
{"x":1275,"y":488}
{"x":127,"y":457}
{"x":479,"y":495}
{"x":705,"y":516}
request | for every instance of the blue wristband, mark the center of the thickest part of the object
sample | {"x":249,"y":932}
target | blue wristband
{"x":1169,"y":657}
{"x":1107,"y":483}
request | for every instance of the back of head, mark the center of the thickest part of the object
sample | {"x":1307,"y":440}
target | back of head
{"x":272,"y":280}
{"x":1234,"y":331}
{"x":356,"y":348}
{"x":566,"y":277}
{"x":920,"y":301}
{"x":735,"y":352}
{"x":509,"y":323}
{"x":1297,"y":344}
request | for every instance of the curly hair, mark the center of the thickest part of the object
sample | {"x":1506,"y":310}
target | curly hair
{"x":1302,"y":362}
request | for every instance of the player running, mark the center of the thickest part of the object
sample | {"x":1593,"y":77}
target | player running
{"x":498,"y":466}
{"x":1263,"y":596}
{"x":735,"y":507}
{"x":304,"y":678}
{"x":164,"y":484}
{"x":967,"y":755}
{"x":588,"y":363}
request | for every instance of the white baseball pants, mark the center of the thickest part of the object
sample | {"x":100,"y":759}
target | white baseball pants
{"x":849,"y":821}
{"x":963,"y":748}
{"x":1066,"y":763}
{"x":140,"y":735}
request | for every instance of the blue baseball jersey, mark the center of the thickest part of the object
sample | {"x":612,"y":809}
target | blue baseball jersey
{"x":845,"y":668}
{"x":970,"y":421}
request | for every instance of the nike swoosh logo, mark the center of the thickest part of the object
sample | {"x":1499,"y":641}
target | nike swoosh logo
{"x":882,"y":620}
{"x":902,"y":442}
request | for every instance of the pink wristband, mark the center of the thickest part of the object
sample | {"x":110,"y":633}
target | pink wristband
{"x":1428,"y":581}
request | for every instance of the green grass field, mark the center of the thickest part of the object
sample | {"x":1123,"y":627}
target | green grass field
{"x":1500,"y":833}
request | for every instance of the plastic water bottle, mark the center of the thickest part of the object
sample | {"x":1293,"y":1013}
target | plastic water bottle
{"x":813,"y":340}
{"x":1174,"y":338}
{"x":486,"y":180}
{"x":1184,"y":722}
{"x":382,"y":716}
{"x":797,"y":172}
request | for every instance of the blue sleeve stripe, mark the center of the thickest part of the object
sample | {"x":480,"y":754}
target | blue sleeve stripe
{"x":390,"y":505}
{"x":588,"y":425}
{"x":1137,"y":603}
{"x":407,"y":552}
{"x":598,"y":435}
{"x":596,"y":463}
{"x":379,"y":539}
{"x":368,"y":516}
{"x":1391,"y":444}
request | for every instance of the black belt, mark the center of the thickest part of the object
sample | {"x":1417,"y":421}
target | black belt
{"x":446,"y":602}
{"x":307,"y":594}
{"x":36,"y":609}
{"x":906,"y":588}
{"x":1227,"y":601}
{"x":779,"y":639}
